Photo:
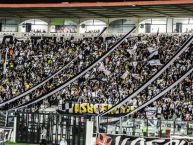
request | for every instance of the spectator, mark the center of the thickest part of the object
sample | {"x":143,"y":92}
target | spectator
{"x":113,"y":79}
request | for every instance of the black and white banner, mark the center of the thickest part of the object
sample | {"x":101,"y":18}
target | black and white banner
{"x":105,"y":139}
{"x":92,"y":109}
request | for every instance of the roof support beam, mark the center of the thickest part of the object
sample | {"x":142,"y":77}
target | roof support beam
{"x":184,"y":9}
{"x":38,"y":14}
{"x":65,"y":12}
{"x":10,"y":13}
{"x":154,"y":11}
{"x":95,"y":13}
{"x":98,"y":4}
{"x":124,"y":13}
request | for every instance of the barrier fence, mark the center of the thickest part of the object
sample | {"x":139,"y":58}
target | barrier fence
{"x":146,"y":127}
{"x":33,"y":127}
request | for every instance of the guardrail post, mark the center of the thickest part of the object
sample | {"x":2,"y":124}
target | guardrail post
{"x":89,"y":132}
{"x":14,"y":129}
{"x":120,"y":126}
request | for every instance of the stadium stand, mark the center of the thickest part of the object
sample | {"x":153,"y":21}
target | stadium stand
{"x":109,"y":83}
{"x":96,"y":73}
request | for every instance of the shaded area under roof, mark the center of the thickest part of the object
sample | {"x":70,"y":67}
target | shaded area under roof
{"x":58,"y":1}
{"x":162,"y":8}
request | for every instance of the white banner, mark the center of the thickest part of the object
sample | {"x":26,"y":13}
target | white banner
{"x":154,"y":62}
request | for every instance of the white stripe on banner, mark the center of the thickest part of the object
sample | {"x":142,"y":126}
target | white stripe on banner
{"x":153,"y":54}
{"x":154,"y":62}
{"x":132,"y":51}
{"x":151,"y":49}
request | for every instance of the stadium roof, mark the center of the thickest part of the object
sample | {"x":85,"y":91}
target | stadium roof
{"x":161,"y":8}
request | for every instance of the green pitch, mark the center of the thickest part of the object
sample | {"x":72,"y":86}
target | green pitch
{"x":11,"y":143}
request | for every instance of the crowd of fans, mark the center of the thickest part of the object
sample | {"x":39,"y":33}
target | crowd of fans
{"x":113,"y":79}
{"x":177,"y":103}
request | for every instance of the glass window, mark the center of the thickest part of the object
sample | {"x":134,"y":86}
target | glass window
{"x":71,"y":22}
{"x":34,"y":25}
{"x":92,"y":26}
{"x":156,"y":24}
{"x":159,"y":21}
{"x":121,"y":26}
{"x":8,"y":25}
{"x":181,"y":20}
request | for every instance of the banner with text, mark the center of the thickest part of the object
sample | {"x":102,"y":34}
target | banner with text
{"x":94,"y":109}
{"x":105,"y":139}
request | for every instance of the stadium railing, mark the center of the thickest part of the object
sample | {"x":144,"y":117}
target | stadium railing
{"x":149,"y":127}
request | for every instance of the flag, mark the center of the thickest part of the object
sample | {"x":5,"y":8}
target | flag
{"x":132,"y":51}
{"x":151,"y":49}
{"x":154,"y":62}
{"x":144,"y":42}
{"x":151,"y":112}
{"x":154,"y":55}
{"x":136,"y":76}
{"x":106,"y":72}
{"x":134,"y":63}
{"x":103,"y":69}
{"x":125,"y":75}
{"x":68,"y":107}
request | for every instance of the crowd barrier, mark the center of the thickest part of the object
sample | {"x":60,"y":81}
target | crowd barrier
{"x":77,"y":35}
{"x":66,"y":35}
{"x":148,"y":127}
{"x":81,"y":129}
{"x":113,"y":139}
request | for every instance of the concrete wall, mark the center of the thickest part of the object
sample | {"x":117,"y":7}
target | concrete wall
{"x":163,"y":24}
